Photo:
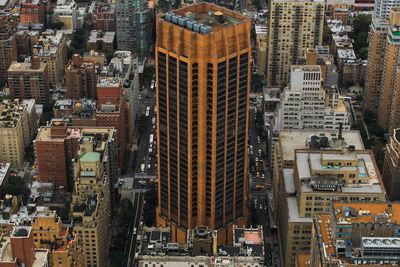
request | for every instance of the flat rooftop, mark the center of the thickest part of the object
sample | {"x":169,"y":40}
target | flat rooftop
{"x":204,"y":17}
{"x":309,"y":164}
{"x":290,"y":140}
{"x":347,"y":213}
{"x":25,"y":67}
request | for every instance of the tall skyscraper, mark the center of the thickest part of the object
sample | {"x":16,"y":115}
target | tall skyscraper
{"x":134,"y":26}
{"x":391,"y":167}
{"x":203,"y":69}
{"x":383,"y":74}
{"x":294,"y":27}
{"x":377,"y":51}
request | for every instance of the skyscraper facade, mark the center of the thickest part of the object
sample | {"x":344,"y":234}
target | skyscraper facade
{"x":203,"y":69}
{"x":134,"y":26}
{"x":377,"y":51}
{"x":294,"y":27}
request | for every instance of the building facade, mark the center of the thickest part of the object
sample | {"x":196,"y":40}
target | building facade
{"x":354,"y":234}
{"x":202,"y":103}
{"x":8,"y":45}
{"x":306,"y":103}
{"x":80,"y":78}
{"x":294,"y":27}
{"x":391,"y":167}
{"x":51,"y":49}
{"x":134,"y":26}
{"x":104,"y":17}
{"x":29,"y":80}
{"x":57,"y":145}
{"x":91,"y":200}
{"x":379,"y":54}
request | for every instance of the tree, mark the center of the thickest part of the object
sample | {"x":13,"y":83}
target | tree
{"x":360,"y":35}
{"x":16,"y":186}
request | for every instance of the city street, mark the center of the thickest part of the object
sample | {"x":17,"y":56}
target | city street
{"x":130,"y":249}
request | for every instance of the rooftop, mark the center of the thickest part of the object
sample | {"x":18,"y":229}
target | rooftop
{"x":321,"y":170}
{"x":25,"y":67}
{"x":290,"y":140}
{"x":346,"y":54}
{"x":90,"y":157}
{"x":204,"y":17}
{"x":49,"y":43}
{"x":347,"y":213}
{"x":11,"y":112}
{"x":294,"y":215}
{"x":107,"y":37}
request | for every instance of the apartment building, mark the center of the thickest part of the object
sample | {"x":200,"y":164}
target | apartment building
{"x":18,"y":249}
{"x":306,"y":184}
{"x":391,"y":167}
{"x":134,"y":22}
{"x":51,"y":49}
{"x":202,"y":140}
{"x":33,"y":11}
{"x":90,"y":207}
{"x":79,"y":112}
{"x":18,"y":124}
{"x":379,"y":56}
{"x":113,"y":111}
{"x":29,"y":80}
{"x":306,"y":103}
{"x":294,"y":26}
{"x":101,"y":41}
{"x":80,"y":78}
{"x":104,"y":17}
{"x":354,"y":234}
{"x":57,"y":145}
{"x":63,"y":244}
{"x":67,"y":13}
{"x":8,"y":44}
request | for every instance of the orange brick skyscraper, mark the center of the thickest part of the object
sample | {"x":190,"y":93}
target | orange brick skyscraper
{"x":203,"y":69}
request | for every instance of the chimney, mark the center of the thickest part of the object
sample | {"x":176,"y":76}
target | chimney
{"x":219,"y":16}
{"x":76,"y":60}
{"x":35,"y":63}
{"x":311,"y":57}
{"x":340,"y":137}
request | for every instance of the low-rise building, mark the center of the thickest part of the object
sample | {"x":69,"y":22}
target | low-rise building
{"x":67,"y":13}
{"x":18,"y":249}
{"x":101,"y":41}
{"x":201,"y":249}
{"x":354,"y":234}
{"x":305,"y":103}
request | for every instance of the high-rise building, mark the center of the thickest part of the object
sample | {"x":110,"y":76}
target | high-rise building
{"x":391,"y":167}
{"x":8,"y":45}
{"x":294,"y":26}
{"x":134,"y":26}
{"x":381,"y":51}
{"x":91,"y":200}
{"x":113,"y":111}
{"x":355,"y":234}
{"x":57,"y":145}
{"x":80,"y":78}
{"x":51,"y":49}
{"x":29,"y":80}
{"x":203,"y":57}
{"x":306,"y":103}
{"x":18,"y":124}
